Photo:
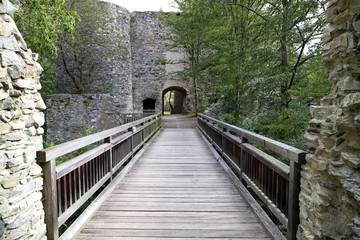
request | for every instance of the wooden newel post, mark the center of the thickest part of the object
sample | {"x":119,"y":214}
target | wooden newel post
{"x":50,"y":199}
{"x":294,"y":191}
{"x":142,"y":132}
{"x":110,"y":157}
{"x":223,"y":140}
{"x":133,"y":130}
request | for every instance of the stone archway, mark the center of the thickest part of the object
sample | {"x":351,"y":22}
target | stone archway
{"x":178,"y":103}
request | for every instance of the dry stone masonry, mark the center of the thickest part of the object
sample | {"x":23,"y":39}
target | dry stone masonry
{"x":330,"y":194}
{"x":21,"y":121}
{"x":74,"y":114}
{"x":144,"y":70}
{"x":154,"y":64}
{"x":107,"y":71}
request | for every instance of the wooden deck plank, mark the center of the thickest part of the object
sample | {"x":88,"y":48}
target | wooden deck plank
{"x":177,"y":190}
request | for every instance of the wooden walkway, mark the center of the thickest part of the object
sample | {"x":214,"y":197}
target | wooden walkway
{"x":177,"y":190}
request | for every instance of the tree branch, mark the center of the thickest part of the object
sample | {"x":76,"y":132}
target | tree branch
{"x":239,"y":4}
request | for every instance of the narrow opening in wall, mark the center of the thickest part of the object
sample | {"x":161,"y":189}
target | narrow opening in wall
{"x":149,"y":106}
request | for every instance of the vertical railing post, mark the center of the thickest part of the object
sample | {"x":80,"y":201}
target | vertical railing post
{"x":142,"y":133}
{"x":223,"y":140}
{"x":50,"y":199}
{"x":294,"y":191}
{"x":133,"y":130}
{"x":242,"y":154}
{"x":110,"y":157}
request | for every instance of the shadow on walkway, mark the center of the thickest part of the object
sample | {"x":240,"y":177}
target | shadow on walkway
{"x":179,"y":121}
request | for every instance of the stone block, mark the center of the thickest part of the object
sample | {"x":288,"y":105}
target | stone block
{"x":352,"y":42}
{"x":340,"y":42}
{"x":349,"y":84}
{"x":25,"y":83}
{"x":312,"y":139}
{"x":9,"y":43}
{"x":13,"y":136}
{"x":354,"y":143}
{"x":6,"y":28}
{"x":354,"y":7}
{"x":323,"y":153}
{"x":16,"y":72}
{"x":10,"y":181}
{"x":342,"y":17}
{"x":39,"y":119}
{"x":4,"y":128}
{"x":33,"y":70}
{"x":351,"y":101}
{"x":10,"y":58}
{"x":352,"y":158}
{"x":321,"y":112}
{"x":352,"y":185}
{"x":3,"y":94}
{"x":40,"y":104}
{"x":17,"y":125}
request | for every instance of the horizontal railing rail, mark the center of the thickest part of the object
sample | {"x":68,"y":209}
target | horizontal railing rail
{"x":275,"y":183}
{"x":131,"y":117}
{"x":69,"y":185}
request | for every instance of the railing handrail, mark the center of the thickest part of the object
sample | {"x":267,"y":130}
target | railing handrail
{"x":258,"y":169}
{"x":287,"y":151}
{"x":69,"y":185}
{"x":54,"y":152}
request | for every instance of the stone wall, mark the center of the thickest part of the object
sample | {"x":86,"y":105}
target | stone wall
{"x":21,"y":121}
{"x":154,"y":65}
{"x":68,"y":115}
{"x":107,"y":66}
{"x":144,"y":66}
{"x":330,"y":194}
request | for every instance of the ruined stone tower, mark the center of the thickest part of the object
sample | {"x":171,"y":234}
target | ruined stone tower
{"x":135,"y":78}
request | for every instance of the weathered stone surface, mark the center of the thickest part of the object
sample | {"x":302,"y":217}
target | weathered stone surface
{"x":9,"y":43}
{"x":10,"y":181}
{"x":16,"y":72}
{"x":24,"y":83}
{"x":21,"y":212}
{"x":3,"y":95}
{"x":68,"y":114}
{"x":144,"y":73}
{"x":330,"y":184}
{"x":10,"y":58}
{"x":4,"y":128}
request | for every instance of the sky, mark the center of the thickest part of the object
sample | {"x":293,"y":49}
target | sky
{"x":145,"y":5}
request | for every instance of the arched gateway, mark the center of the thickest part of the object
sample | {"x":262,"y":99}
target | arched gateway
{"x":174,"y":100}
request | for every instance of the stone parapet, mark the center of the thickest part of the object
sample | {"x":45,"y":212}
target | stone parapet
{"x":21,"y":121}
{"x":330,"y":184}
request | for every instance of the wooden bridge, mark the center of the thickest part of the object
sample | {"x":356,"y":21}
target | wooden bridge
{"x":145,"y":182}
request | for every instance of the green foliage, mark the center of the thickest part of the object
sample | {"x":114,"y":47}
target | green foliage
{"x":260,"y":56}
{"x":41,"y":23}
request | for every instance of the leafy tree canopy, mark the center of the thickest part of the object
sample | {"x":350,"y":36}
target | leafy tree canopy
{"x":262,"y":58}
{"x":41,"y":22}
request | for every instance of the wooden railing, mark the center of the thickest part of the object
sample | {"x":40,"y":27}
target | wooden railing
{"x":131,"y":117}
{"x":69,"y":185}
{"x":275,"y":183}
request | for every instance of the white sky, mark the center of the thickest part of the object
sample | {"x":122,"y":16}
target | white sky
{"x":145,"y":5}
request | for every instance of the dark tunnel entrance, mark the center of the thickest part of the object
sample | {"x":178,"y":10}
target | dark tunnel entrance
{"x":174,"y":100}
{"x":149,"y":106}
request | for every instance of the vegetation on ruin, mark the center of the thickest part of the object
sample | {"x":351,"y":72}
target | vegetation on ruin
{"x":53,"y":28}
{"x":261,"y":59}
